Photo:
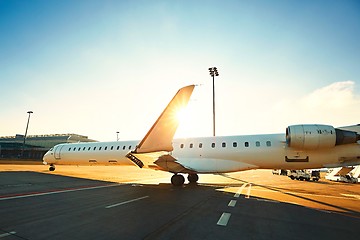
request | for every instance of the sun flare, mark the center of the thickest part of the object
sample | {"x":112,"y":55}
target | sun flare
{"x":181,"y":115}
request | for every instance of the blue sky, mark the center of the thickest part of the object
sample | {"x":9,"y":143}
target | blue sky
{"x":97,"y":67}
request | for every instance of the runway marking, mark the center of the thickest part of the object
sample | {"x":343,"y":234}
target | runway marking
{"x":36,"y":194}
{"x":321,"y":210}
{"x":238,"y":193}
{"x":351,"y":195}
{"x":345,"y":196}
{"x":232,"y":203}
{"x":7,"y":234}
{"x":267,"y":200}
{"x":224,"y":219}
{"x":248,"y":192}
{"x":129,"y":201}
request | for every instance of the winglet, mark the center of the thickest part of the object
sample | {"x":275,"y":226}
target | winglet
{"x":160,"y":135}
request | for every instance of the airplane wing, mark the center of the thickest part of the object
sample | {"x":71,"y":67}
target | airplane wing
{"x":158,"y":141}
{"x":353,"y":128}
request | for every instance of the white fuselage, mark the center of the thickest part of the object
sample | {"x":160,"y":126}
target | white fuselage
{"x":212,"y":154}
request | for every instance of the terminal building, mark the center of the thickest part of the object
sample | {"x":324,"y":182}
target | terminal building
{"x":35,"y":146}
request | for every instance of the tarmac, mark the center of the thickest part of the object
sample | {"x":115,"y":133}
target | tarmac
{"x":115,"y":202}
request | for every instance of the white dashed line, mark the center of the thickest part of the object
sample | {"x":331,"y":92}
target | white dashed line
{"x":238,"y":193}
{"x":267,"y":200}
{"x":7,"y":234}
{"x":129,"y":201}
{"x":232,"y":203}
{"x":248,"y":192}
{"x":224,"y":219}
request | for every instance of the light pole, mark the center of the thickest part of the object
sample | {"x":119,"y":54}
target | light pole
{"x":27,"y":125}
{"x":117,"y":136}
{"x":213,"y":72}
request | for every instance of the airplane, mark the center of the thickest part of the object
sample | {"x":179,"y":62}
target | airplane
{"x":303,"y":146}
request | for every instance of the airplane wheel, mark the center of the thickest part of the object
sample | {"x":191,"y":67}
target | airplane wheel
{"x":193,"y":178}
{"x":52,"y":168}
{"x":177,"y":180}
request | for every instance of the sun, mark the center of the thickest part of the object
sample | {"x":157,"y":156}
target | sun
{"x":181,"y":115}
{"x":185,"y":118}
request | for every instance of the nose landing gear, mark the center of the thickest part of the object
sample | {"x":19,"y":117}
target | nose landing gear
{"x":52,"y":167}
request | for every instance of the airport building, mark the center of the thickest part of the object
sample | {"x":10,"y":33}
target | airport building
{"x":35,"y":146}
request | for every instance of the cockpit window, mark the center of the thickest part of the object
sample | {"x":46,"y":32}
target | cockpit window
{"x":51,"y":149}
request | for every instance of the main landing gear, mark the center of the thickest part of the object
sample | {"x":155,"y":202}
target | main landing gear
{"x":52,"y":167}
{"x":178,"y":179}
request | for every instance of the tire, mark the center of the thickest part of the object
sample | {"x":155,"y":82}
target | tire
{"x":193,"y":178}
{"x":177,"y":180}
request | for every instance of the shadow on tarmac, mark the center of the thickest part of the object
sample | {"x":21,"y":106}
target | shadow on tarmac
{"x":290,"y":192}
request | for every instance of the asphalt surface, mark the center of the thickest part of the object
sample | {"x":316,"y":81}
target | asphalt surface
{"x":38,"y":204}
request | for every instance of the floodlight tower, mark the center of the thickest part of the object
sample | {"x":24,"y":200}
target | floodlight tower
{"x":213,"y":72}
{"x":27,"y":126}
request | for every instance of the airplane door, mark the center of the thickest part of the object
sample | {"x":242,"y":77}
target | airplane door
{"x":57,"y":151}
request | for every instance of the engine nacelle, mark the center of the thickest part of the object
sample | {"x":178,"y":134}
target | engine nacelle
{"x":310,"y":136}
{"x":316,"y":136}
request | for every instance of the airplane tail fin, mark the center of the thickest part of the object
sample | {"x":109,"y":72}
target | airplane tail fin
{"x":160,"y":135}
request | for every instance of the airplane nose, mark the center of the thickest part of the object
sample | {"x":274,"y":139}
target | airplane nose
{"x":46,"y":157}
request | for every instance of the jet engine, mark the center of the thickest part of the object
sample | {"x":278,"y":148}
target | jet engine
{"x":316,"y":136}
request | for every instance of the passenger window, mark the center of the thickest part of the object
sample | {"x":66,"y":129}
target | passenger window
{"x":69,"y":149}
{"x":246,"y":144}
{"x":268,"y":143}
{"x":84,"y":148}
{"x":105,"y":148}
{"x":89,"y":148}
{"x":94,"y":148}
{"x":79,"y":149}
{"x":234,"y":144}
{"x":200,"y":145}
{"x":257,"y":143}
{"x":213,"y":145}
{"x":99,"y":148}
{"x":182,"y":145}
{"x":74,"y":148}
{"x":223,"y":144}
{"x":112,"y":147}
{"x":129,"y":147}
{"x":123,"y":147}
{"x":191,"y":145}
{"x":117,"y":147}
